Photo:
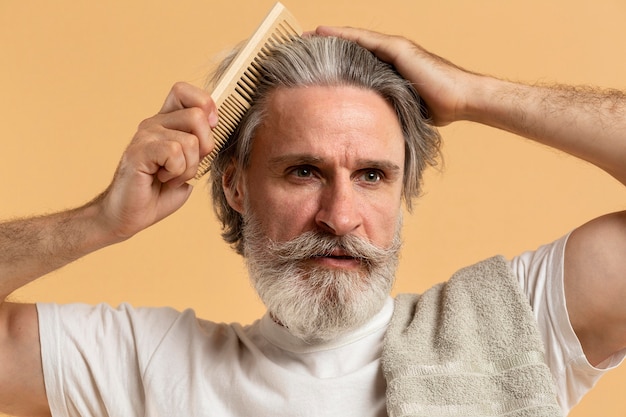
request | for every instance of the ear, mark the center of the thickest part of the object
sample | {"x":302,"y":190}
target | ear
{"x":232,"y":184}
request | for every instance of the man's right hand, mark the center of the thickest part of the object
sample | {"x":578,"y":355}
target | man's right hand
{"x":150,"y":181}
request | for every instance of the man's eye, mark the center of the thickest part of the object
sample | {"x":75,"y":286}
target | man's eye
{"x":302,"y":172}
{"x":372,"y":176}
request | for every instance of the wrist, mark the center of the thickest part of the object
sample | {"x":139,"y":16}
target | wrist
{"x":96,"y":230}
{"x":497,"y":103}
{"x":481,"y":97}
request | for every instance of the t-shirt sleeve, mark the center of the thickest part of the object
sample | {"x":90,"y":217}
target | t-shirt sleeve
{"x":540,"y":274}
{"x":94,"y":357}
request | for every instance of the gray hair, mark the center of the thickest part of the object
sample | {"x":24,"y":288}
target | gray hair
{"x":323,"y":61}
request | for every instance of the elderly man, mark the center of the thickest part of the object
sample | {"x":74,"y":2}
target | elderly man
{"x":309,"y":190}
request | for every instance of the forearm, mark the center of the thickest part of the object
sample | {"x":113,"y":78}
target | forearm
{"x":585,"y":122}
{"x":33,"y":247}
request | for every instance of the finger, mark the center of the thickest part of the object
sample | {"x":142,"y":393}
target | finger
{"x":178,"y":159}
{"x":194,"y":122}
{"x":168,"y":154}
{"x":380,"y":44}
{"x":183,"y":95}
{"x":182,"y":171}
{"x":168,"y":160}
{"x":188,"y":129}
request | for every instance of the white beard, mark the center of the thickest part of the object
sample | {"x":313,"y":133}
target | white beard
{"x":315,"y":303}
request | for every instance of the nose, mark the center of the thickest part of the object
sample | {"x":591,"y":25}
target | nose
{"x":339,"y":211}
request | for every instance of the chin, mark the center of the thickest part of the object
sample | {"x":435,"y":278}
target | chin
{"x":321,"y":304}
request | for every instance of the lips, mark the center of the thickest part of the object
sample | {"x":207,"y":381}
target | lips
{"x":342,"y":257}
{"x":337,"y":258}
{"x":336,"y":254}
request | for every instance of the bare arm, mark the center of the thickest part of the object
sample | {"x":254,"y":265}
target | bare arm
{"x":35,"y":246}
{"x":149,"y":184}
{"x":585,"y":122}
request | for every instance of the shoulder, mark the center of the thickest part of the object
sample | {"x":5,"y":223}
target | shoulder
{"x":595,"y":285}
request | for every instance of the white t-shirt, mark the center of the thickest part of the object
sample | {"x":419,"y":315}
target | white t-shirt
{"x":104,"y":361}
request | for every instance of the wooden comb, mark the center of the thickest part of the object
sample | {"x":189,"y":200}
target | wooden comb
{"x":234,"y":91}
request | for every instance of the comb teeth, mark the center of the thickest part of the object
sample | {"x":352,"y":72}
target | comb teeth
{"x":235,"y":90}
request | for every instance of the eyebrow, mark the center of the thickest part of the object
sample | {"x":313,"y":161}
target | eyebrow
{"x":295,"y":159}
{"x":307,"y":159}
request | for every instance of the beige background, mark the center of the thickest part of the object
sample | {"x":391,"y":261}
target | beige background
{"x":77,"y":77}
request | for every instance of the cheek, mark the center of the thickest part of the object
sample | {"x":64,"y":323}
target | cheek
{"x":382,"y":223}
{"x":283,"y":216}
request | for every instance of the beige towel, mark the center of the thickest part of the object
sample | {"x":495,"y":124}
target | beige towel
{"x":468,"y":347}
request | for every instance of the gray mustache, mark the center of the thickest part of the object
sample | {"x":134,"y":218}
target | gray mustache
{"x":315,"y":244}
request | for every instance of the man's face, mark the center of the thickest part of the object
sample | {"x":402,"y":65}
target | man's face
{"x":326,"y":160}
